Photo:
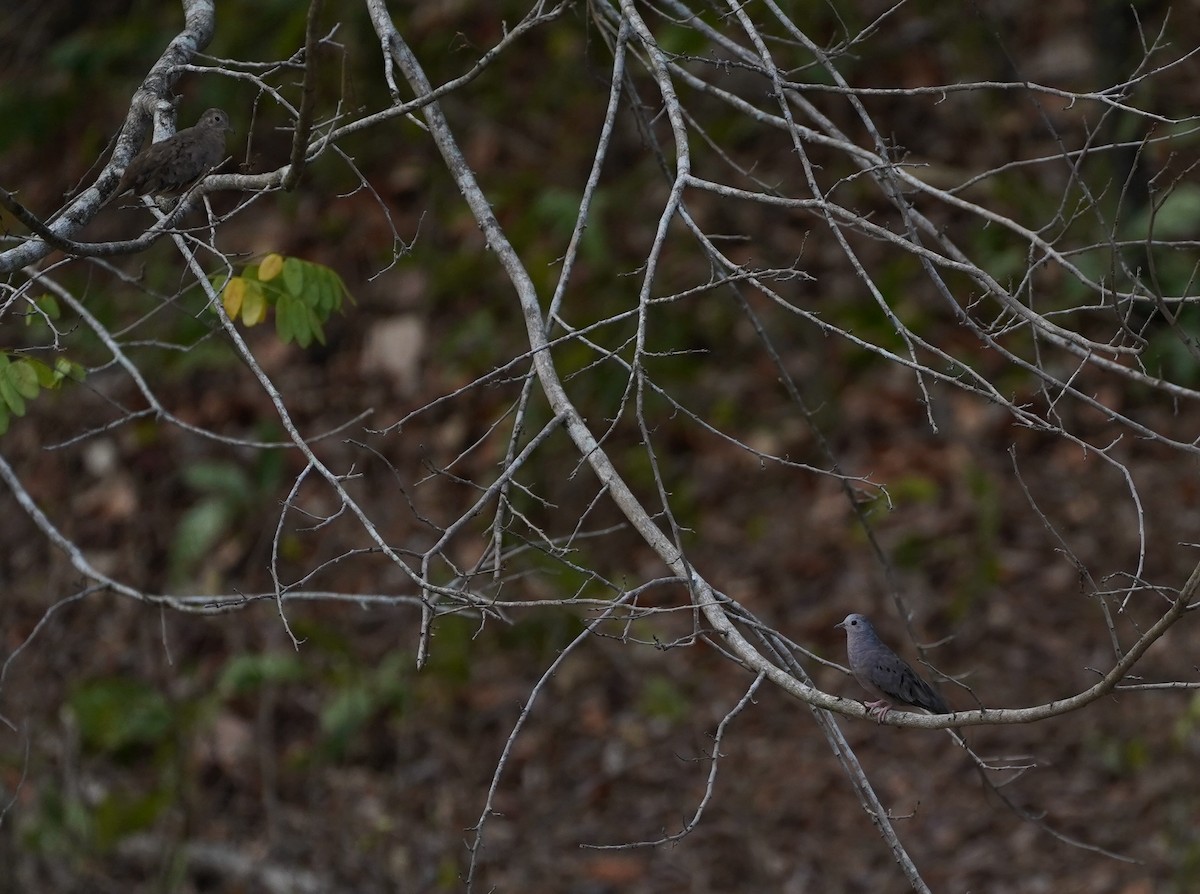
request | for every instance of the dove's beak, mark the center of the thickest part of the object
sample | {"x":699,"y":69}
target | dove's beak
{"x":841,"y":624}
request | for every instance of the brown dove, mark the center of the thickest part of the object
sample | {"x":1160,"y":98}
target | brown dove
{"x":171,"y":165}
{"x":885,"y":674}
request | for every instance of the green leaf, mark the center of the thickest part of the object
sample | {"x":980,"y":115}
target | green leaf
{"x":199,"y":530}
{"x":662,"y":699}
{"x":225,"y":478}
{"x":246,"y":673}
{"x":24,"y":378}
{"x":345,"y":714}
{"x":314,"y":325}
{"x":336,"y":291}
{"x":294,"y":275}
{"x":322,"y":293}
{"x":8,"y":391}
{"x":327,"y":291}
{"x":286,"y":318}
{"x":219,"y":280}
{"x":52,"y":377}
{"x":47,"y":377}
{"x":296,"y":320}
{"x":48,"y":305}
{"x":1177,"y":217}
{"x":117,"y":713}
{"x":302,"y":324}
{"x":121,"y":813}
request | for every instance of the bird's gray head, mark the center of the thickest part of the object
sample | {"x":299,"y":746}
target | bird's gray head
{"x":856,"y":623}
{"x":215,"y":119}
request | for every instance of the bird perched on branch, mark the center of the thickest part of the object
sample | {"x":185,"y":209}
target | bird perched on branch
{"x":169,"y":166}
{"x":885,"y":674}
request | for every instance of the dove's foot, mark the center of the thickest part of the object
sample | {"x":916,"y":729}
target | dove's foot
{"x":878,"y":709}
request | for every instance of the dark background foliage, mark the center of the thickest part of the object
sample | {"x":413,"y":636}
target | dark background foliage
{"x":147,"y":749}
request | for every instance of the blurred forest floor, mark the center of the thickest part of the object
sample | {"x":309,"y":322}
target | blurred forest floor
{"x":161,"y":751}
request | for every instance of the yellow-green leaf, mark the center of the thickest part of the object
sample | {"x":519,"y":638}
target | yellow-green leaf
{"x":254,"y":304}
{"x":52,"y":377}
{"x":270,"y":267}
{"x":70,"y":368}
{"x":234,"y":295}
{"x":47,"y":377}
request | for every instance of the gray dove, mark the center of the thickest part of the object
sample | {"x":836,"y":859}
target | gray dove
{"x":171,"y":165}
{"x":885,"y":674}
